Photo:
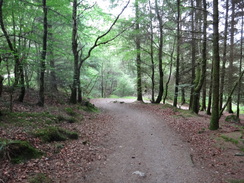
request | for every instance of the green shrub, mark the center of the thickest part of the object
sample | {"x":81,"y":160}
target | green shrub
{"x":51,"y":134}
{"x":17,"y":151}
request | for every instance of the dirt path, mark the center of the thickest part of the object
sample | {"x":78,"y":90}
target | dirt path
{"x":143,"y":149}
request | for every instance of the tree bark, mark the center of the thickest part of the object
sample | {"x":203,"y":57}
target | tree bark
{"x":43,"y":56}
{"x":170,"y":73}
{"x":138,"y":54}
{"x":76,"y":76}
{"x":222,"y":77}
{"x":214,"y":122}
{"x":177,"y":74}
{"x":200,"y":81}
{"x":193,"y":54}
{"x":152,"y":55}
{"x":240,"y":67}
{"x":230,"y":81}
{"x":160,"y":55}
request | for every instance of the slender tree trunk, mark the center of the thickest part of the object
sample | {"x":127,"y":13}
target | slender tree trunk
{"x":177,"y":74}
{"x":240,"y":83}
{"x":193,"y":53}
{"x":53,"y":78}
{"x":43,"y":56}
{"x":229,"y":107}
{"x":204,"y":96}
{"x":152,"y":55}
{"x":214,"y":122}
{"x":222,"y":77}
{"x":210,"y":93}
{"x":170,"y":73}
{"x":74,"y":87}
{"x":160,"y":55}
{"x":231,"y":93}
{"x":138,"y":54}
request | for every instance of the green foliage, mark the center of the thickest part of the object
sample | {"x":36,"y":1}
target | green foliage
{"x":40,"y":178}
{"x":18,"y":151}
{"x":52,"y":133}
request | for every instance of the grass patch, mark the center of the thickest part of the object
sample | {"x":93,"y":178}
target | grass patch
{"x":28,"y":119}
{"x":70,"y":111}
{"x":229,"y":139}
{"x":236,"y":181}
{"x":40,"y":178}
{"x":52,"y":133}
{"x":18,"y":151}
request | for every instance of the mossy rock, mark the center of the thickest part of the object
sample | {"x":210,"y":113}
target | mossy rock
{"x":18,"y":151}
{"x":51,"y":134}
{"x":232,"y":118}
{"x":40,"y":178}
{"x":88,"y":107}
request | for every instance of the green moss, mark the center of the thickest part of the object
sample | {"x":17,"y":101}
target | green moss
{"x":18,"y":151}
{"x":51,"y":134}
{"x":40,"y":178}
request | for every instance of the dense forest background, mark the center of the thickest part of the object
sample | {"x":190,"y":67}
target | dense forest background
{"x":178,"y":51}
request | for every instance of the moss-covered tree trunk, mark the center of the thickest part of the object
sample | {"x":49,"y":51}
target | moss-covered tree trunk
{"x":214,"y":122}
{"x":199,"y":81}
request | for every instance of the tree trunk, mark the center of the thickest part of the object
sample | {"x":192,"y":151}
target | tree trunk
{"x":193,"y":54}
{"x":210,"y":93}
{"x":19,"y":73}
{"x":52,"y":77}
{"x":240,"y":67}
{"x":200,"y":81}
{"x":222,"y":77}
{"x":230,"y":82}
{"x":138,"y":54}
{"x":152,"y":55}
{"x":170,"y":73}
{"x":177,"y":74}
{"x":76,"y":77}
{"x":214,"y":122}
{"x":231,"y":93}
{"x":43,"y":56}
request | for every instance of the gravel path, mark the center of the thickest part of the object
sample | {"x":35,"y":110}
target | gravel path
{"x":143,"y":150}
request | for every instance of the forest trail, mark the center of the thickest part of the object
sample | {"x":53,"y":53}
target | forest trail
{"x":143,"y":149}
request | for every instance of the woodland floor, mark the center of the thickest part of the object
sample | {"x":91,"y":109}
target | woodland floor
{"x":127,"y":142}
